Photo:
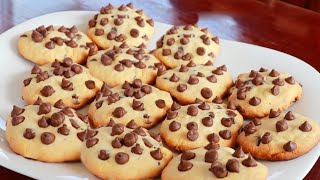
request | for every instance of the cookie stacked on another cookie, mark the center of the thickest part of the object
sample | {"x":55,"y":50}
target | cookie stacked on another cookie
{"x":280,"y":137}
{"x":46,"y":44}
{"x":193,"y":126}
{"x":258,"y":93}
{"x":144,"y":104}
{"x":190,"y":82}
{"x":115,"y":25}
{"x":116,"y":65}
{"x":46,"y":133}
{"x":119,"y":152}
{"x":181,"y":44}
{"x":214,"y":163}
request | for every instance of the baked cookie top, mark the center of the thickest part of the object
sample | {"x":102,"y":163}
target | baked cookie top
{"x":193,"y":126}
{"x":60,"y":80}
{"x":46,"y":44}
{"x":115,"y":25}
{"x":46,"y":133}
{"x":280,"y":137}
{"x":182,"y":44}
{"x":119,"y":152}
{"x":144,"y":104}
{"x":191,"y":81}
{"x":257,"y":93}
{"x":116,"y":65}
{"x":214,"y":163}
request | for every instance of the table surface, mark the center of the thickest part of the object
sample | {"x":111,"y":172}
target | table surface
{"x":269,"y":23}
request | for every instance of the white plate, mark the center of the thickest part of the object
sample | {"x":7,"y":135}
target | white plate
{"x":239,"y":58}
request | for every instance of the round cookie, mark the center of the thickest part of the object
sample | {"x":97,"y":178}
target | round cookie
{"x":46,"y":133}
{"x":60,"y":80}
{"x":181,"y":44}
{"x":45,"y":45}
{"x":280,"y":137}
{"x":144,"y":104}
{"x":193,"y":126}
{"x":116,"y":65}
{"x":256,"y":93}
{"x":189,"y":82}
{"x":115,"y":25}
{"x":120,"y":152}
{"x":214,"y":163}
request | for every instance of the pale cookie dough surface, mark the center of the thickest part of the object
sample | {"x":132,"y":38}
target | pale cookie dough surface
{"x":122,"y":153}
{"x":67,"y":81}
{"x":184,"y":43}
{"x":214,"y":167}
{"x":187,"y":83}
{"x":44,"y":45}
{"x":144,"y":104}
{"x":45,"y":133}
{"x":114,"y":66}
{"x":193,"y":126}
{"x":280,"y":138}
{"x":116,"y":25}
{"x":257,"y":93}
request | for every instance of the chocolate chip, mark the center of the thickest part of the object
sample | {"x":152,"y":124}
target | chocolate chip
{"x":47,"y":91}
{"x":146,"y":89}
{"x":218,"y":170}
{"x":241,"y":95}
{"x":64,"y":130}
{"x":266,"y":138}
{"x":76,"y":68}
{"x":156,"y":154}
{"x":90,"y":84}
{"x":57,"y":119}
{"x":44,"y":108}
{"x":36,"y":36}
{"x":81,"y":135}
{"x":305,"y":127}
{"x":211,"y":156}
{"x":213,"y":138}
{"x":254,"y":101}
{"x":256,"y":121}
{"x":217,"y":100}
{"x":201,"y":51}
{"x":275,"y":90}
{"x":116,"y":143}
{"x":225,"y":134}
{"x":66,"y":85}
{"x":212,"y":145}
{"x":174,"y":78}
{"x":138,"y":94}
{"x":35,"y":70}
{"x":192,"y":110}
{"x":233,"y":165}
{"x":263,"y":69}
{"x":16,"y":111}
{"x":274,"y":73}
{"x":174,"y":126}
{"x":103,"y":155}
{"x":207,"y":121}
{"x":160,"y":103}
{"x":147,"y":142}
{"x":231,"y":105}
{"x":150,"y":22}
{"x":178,"y":54}
{"x":71,"y":43}
{"x":27,"y":81}
{"x":281,"y":125}
{"x":43,"y":122}
{"x":140,"y":65}
{"x":192,"y":126}
{"x":227,"y":122}
{"x":249,"y":128}
{"x":99,"y":32}
{"x":137,"y":105}
{"x":99,"y":104}
{"x":67,"y":111}
{"x":117,"y":129}
{"x":204,"y":106}
{"x":103,"y":21}
{"x":121,"y":158}
{"x":182,"y":87}
{"x":290,"y":146}
{"x":217,"y":71}
{"x":171,"y":115}
{"x":111,"y":123}
{"x":130,"y":139}
{"x":166,"y":52}
{"x":47,"y":138}
{"x":289,"y":116}
{"x":134,"y":32}
{"x":274,"y":113}
{"x":249,"y":162}
{"x":238,"y":153}
{"x":185,"y":165}
{"x":38,"y":101}
{"x":170,"y":41}
{"x":184,"y":40}
{"x":119,"y":112}
{"x":290,"y":80}
{"x":188,"y":155}
{"x":136,"y":83}
{"x":208,"y":63}
{"x":29,"y":133}
{"x":183,"y":68}
{"x":258,"y":80}
{"x":192,"y":135}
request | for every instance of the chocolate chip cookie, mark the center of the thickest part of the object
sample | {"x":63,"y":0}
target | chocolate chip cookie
{"x":280,"y":136}
{"x":116,"y":25}
{"x":60,"y":80}
{"x":181,"y":44}
{"x":46,"y":133}
{"x":46,"y":44}
{"x":190,"y":82}
{"x":213,"y":162}
{"x":116,"y":65}
{"x":193,"y":126}
{"x":119,"y":152}
{"x":144,"y":104}
{"x":257,"y":93}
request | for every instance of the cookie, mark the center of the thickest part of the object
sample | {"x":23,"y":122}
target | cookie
{"x":214,"y":163}
{"x":280,"y":137}
{"x":46,"y":133}
{"x":116,"y":65}
{"x":60,"y":80}
{"x":46,"y":44}
{"x":188,"y":82}
{"x":144,"y":104}
{"x":181,"y":44}
{"x":195,"y":125}
{"x":257,"y":93}
{"x":119,"y":152}
{"x":116,"y":25}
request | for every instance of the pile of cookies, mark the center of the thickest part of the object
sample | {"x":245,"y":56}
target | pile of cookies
{"x":130,"y":90}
